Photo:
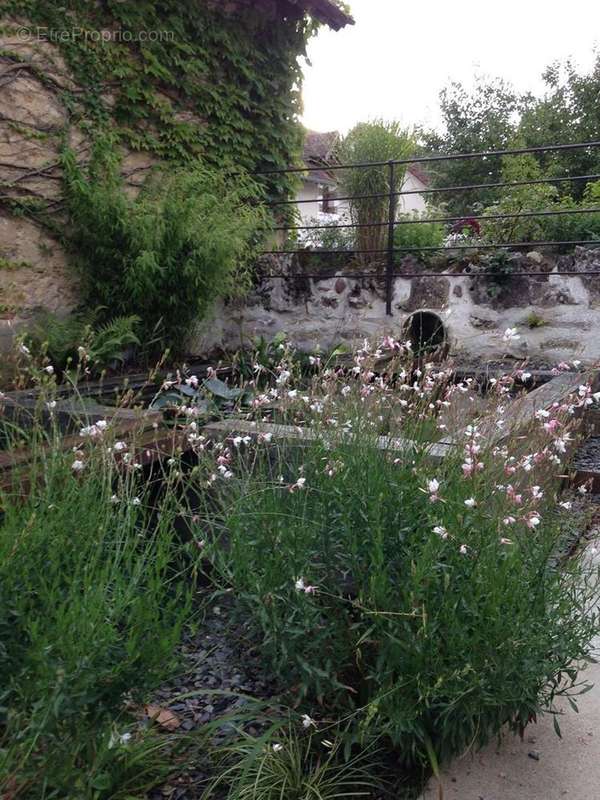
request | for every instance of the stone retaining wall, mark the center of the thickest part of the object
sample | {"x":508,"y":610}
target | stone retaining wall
{"x":557,"y":315}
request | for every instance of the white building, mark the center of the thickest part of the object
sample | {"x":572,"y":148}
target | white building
{"x":320,"y":187}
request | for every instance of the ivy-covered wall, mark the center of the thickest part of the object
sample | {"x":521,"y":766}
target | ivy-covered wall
{"x":171,"y":80}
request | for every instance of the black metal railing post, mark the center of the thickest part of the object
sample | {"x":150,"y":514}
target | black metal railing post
{"x":389,"y":271}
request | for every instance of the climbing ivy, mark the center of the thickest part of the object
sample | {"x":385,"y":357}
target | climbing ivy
{"x":205,"y":83}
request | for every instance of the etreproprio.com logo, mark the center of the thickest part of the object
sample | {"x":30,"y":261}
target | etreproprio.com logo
{"x":58,"y":35}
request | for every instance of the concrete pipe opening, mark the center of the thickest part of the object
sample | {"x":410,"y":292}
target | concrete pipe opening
{"x":426,"y":332}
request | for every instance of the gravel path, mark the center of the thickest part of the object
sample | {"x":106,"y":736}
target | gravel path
{"x":218,"y":658}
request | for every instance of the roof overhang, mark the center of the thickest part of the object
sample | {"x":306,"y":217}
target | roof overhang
{"x":326,"y":11}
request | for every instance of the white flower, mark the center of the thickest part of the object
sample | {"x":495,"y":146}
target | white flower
{"x":51,"y":405}
{"x":115,"y":499}
{"x":463,"y":550}
{"x":300,"y":586}
{"x":136,"y":501}
{"x":567,"y":505}
{"x":308,"y":721}
{"x":292,"y":394}
{"x":510,"y":335}
{"x":277,"y":748}
{"x":118,"y":447}
{"x":49,"y":369}
{"x":470,"y":502}
{"x":92,"y":431}
{"x":123,"y":739}
{"x":24,"y":350}
{"x":433,"y":486}
{"x":77,"y":465}
{"x":346,"y":390}
{"x":266,"y":437}
{"x":441,"y":531}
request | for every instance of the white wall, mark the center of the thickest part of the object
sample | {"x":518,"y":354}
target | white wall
{"x":412,"y":202}
{"x":406,"y":203}
{"x":326,"y":312}
{"x":309,"y":191}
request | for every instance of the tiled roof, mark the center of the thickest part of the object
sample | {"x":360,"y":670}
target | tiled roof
{"x":326,"y":11}
{"x":319,"y":146}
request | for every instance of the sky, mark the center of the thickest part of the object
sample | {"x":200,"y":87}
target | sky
{"x":400,"y":53}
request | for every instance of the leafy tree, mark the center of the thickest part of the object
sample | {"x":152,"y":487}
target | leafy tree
{"x":482,"y":119}
{"x":520,"y":200}
{"x":568,"y":113}
{"x":493,"y":116}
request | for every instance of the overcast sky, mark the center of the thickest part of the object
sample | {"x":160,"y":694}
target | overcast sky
{"x":400,"y":53}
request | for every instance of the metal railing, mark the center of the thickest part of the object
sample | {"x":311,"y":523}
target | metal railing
{"x":387,"y":255}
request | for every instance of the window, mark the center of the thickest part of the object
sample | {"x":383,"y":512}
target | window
{"x":328,"y":201}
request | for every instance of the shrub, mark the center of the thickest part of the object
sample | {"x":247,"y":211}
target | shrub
{"x":576,"y":227}
{"x":59,"y":339}
{"x":93,"y":602}
{"x":526,"y":200}
{"x":187,"y":239}
{"x":519,"y":200}
{"x":424,"y":601}
{"x":329,"y":235}
{"x":417,"y":235}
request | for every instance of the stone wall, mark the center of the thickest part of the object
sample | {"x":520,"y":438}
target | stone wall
{"x":557,"y":315}
{"x":35,"y":270}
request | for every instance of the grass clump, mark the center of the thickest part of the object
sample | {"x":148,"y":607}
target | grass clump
{"x":297,"y":764}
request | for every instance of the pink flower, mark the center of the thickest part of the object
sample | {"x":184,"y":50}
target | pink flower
{"x":552,"y":426}
{"x":517,"y":499}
